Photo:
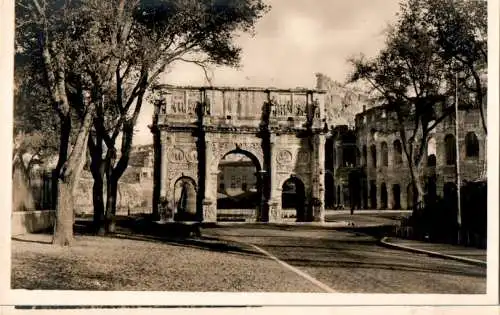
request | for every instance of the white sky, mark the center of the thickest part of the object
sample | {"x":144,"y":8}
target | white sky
{"x":295,"y":40}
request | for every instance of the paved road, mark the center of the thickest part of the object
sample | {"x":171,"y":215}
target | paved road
{"x":341,"y":261}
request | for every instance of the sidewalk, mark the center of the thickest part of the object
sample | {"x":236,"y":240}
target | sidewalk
{"x":465,"y":254}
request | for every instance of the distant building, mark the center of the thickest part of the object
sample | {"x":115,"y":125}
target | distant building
{"x":140,"y":166}
{"x":236,"y":176}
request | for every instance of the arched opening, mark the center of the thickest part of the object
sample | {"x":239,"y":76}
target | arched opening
{"x":365,"y":156}
{"x":450,"y":150}
{"x":349,"y":155}
{"x":431,"y":152}
{"x":349,"y":149}
{"x":398,"y":152}
{"x":396,"y":193}
{"x":471,"y":145}
{"x":450,"y":196}
{"x":385,"y":154}
{"x":373,"y":194}
{"x":329,"y":191}
{"x":431,"y":190}
{"x":354,"y":190}
{"x":431,"y":160}
{"x":185,"y":199}
{"x":383,"y":196}
{"x":238,"y":191}
{"x":329,"y":154}
{"x":293,"y":197}
{"x":373,"y":153}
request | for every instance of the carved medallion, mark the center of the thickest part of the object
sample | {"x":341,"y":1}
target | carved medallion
{"x":175,"y":155}
{"x":192,"y":156}
{"x":284,"y":157}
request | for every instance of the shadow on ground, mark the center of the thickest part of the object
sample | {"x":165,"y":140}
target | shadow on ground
{"x":175,"y":234}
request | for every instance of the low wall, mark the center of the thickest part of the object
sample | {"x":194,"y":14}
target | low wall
{"x":31,"y":221}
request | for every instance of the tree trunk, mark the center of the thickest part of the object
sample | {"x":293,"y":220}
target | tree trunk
{"x":112,"y":192}
{"x":63,"y":231}
{"x":97,"y":170}
{"x":417,"y":180}
{"x":67,"y":182}
{"x":98,"y":201}
{"x":114,"y":173}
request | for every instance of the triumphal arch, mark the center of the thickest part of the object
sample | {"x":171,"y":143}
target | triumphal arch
{"x":282,"y":131}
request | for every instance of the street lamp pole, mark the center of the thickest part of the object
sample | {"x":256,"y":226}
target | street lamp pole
{"x":459,"y":210}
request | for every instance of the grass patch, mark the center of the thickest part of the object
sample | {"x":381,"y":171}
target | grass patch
{"x":134,"y":261}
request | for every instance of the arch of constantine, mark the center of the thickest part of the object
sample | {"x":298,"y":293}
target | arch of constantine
{"x":282,"y":131}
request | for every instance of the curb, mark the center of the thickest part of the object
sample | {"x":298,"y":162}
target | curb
{"x":384,"y":242}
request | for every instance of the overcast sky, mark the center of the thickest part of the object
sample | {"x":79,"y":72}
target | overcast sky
{"x":293,"y":41}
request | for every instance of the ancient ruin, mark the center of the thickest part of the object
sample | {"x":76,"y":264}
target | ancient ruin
{"x":282,"y":131}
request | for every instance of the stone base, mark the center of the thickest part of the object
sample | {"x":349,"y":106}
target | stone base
{"x":274,"y":212}
{"x":209,"y":211}
{"x":319,"y":214}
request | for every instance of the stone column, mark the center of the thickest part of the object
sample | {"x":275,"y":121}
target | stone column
{"x":261,"y":179}
{"x":338,"y":154}
{"x":209,"y":200}
{"x":273,"y":202}
{"x":163,"y":169}
{"x":319,"y":179}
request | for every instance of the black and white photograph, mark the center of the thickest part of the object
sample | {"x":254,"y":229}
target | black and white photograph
{"x":253,"y":146}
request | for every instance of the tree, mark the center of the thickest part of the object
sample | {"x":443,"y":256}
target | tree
{"x":34,"y":131}
{"x":414,"y":75}
{"x":98,"y":60}
{"x":48,"y":34}
{"x":138,"y":40}
{"x":460,"y":29}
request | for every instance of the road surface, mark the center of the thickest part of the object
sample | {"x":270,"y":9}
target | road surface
{"x":347,"y":262}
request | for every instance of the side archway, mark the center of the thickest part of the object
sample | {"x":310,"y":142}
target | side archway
{"x":185,"y":199}
{"x":293,"y":197}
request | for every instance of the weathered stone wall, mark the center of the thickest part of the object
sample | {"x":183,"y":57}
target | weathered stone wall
{"x":133,"y":197}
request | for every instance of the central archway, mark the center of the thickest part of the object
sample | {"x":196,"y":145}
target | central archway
{"x":293,"y":198}
{"x":238,"y":187}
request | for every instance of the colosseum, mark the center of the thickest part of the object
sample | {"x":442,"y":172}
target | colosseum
{"x":366,"y":167}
